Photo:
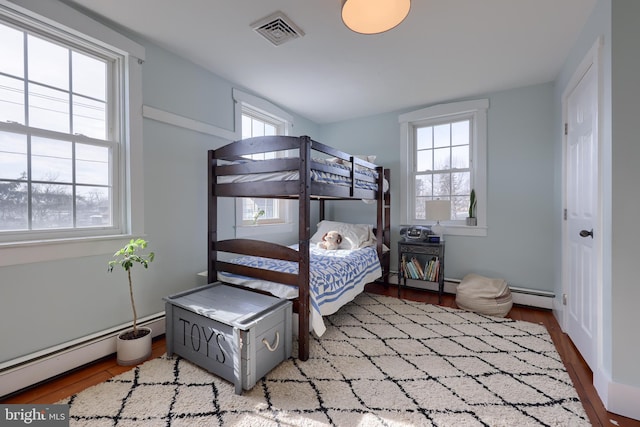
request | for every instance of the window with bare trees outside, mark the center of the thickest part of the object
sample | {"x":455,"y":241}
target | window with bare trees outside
{"x":258,"y":216}
{"x":65,"y":131}
{"x":443,"y":157}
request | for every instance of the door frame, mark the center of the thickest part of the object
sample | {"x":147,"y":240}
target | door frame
{"x":591,"y":60}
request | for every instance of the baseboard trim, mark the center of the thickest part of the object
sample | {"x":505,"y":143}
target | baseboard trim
{"x":521,"y":296}
{"x":621,"y":399}
{"x":18,"y":374}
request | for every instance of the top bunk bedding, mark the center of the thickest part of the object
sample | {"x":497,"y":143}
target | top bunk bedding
{"x":317,"y":175}
{"x":327,"y":172}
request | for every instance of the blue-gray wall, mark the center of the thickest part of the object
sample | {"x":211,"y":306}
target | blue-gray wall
{"x":519,"y":186}
{"x":616,"y":376}
{"x":49,"y":303}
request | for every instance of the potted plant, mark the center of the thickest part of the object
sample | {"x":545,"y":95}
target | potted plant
{"x":472,"y":220}
{"x":133,"y":346}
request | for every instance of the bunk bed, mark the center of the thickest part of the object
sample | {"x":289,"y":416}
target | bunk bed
{"x":314,"y":172}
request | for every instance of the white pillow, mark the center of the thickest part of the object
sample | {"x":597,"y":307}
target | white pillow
{"x":354,"y":236}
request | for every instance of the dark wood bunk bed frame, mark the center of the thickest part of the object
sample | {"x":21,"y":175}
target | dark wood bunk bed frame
{"x":304,"y":190}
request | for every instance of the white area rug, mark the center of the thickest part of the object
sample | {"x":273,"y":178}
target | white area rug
{"x":382,"y":362}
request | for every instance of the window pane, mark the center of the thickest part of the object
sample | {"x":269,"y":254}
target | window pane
{"x":442,"y":159}
{"x":424,"y":160}
{"x":48,"y":63}
{"x":442,"y":135}
{"x":261,"y":210}
{"x":269,"y":129}
{"x":246,"y":127}
{"x":424,"y":185}
{"x":421,"y":207}
{"x":93,"y":207}
{"x":459,"y":207}
{"x":89,"y":117}
{"x":48,"y":108}
{"x":89,"y":76}
{"x":460,"y":183}
{"x":13,"y":156}
{"x":460,"y":157}
{"x":51,"y":160}
{"x":460,"y":133}
{"x":12,"y":58}
{"x":11,"y":100}
{"x":92,"y":164}
{"x":257,"y":128}
{"x":13,"y":206}
{"x":52,"y":206}
{"x":424,"y":138}
{"x":441,"y":184}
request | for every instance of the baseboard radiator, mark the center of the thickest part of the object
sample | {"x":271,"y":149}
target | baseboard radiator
{"x":521,"y":296}
{"x":34,"y":368}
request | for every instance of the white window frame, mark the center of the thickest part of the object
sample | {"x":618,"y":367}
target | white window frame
{"x":62,"y":20}
{"x":476,"y":111}
{"x":261,"y":106}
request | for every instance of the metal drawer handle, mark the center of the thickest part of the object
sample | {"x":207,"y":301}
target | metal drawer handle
{"x":275,"y":345}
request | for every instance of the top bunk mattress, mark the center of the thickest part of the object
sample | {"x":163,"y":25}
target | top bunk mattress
{"x":316,"y":176}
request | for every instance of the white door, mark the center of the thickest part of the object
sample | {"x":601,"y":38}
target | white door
{"x":582,"y":210}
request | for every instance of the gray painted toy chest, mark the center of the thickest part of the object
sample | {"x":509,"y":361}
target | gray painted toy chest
{"x":234,"y":333}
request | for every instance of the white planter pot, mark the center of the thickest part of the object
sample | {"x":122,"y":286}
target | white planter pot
{"x":132,"y":352}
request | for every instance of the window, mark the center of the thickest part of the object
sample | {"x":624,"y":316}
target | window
{"x":443,"y":156}
{"x":254,"y":210}
{"x":67,"y":118}
{"x":261,"y":118}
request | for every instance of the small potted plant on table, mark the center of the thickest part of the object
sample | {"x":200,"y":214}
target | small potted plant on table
{"x":133,"y":346}
{"x":472,"y":220}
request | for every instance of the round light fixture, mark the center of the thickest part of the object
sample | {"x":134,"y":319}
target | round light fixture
{"x":374,"y":16}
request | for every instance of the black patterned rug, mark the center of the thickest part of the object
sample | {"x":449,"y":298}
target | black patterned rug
{"x":382,"y":362}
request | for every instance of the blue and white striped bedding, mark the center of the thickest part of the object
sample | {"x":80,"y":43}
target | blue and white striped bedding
{"x":316,"y":175}
{"x":336,"y":278}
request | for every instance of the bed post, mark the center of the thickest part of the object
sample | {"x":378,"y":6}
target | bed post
{"x":212,"y":208}
{"x":304,"y":234}
{"x":386,"y":265}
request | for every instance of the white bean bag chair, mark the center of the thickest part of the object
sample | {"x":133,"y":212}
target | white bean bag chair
{"x":484,"y":295}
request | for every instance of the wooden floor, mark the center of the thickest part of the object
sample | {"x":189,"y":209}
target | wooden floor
{"x":97,"y":372}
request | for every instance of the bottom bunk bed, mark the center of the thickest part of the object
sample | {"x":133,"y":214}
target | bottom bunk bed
{"x":335,"y":276}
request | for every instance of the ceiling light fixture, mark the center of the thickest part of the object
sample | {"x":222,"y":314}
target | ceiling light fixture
{"x":374,"y":16}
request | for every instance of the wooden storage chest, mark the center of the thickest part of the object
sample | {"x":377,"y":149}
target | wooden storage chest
{"x":234,"y":333}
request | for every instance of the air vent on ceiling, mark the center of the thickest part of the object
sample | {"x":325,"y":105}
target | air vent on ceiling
{"x":277,"y":28}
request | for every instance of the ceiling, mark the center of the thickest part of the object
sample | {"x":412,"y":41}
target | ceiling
{"x":444,"y":50}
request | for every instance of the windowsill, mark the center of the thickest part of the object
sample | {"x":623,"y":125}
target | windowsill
{"x":258,"y":230}
{"x":465,"y":230}
{"x":59,"y":249}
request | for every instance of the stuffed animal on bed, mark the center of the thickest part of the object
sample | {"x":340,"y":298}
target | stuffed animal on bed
{"x":330,"y":241}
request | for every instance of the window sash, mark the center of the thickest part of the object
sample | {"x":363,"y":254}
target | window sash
{"x":255,"y":123}
{"x":79,"y":102}
{"x":432,"y":179}
{"x":476,"y":112}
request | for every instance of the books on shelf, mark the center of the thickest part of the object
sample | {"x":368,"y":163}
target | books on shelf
{"x":412,"y":269}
